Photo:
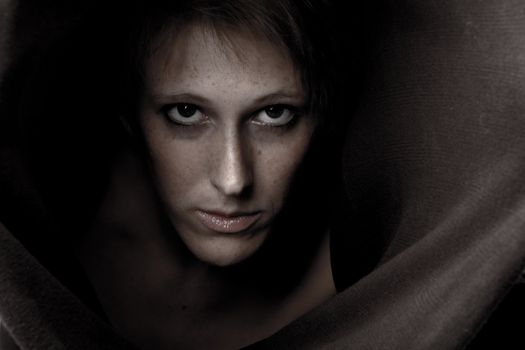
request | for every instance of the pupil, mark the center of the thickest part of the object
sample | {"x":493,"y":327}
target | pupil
{"x":274,"y":112}
{"x":186,"y":110}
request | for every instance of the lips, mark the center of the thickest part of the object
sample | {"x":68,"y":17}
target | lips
{"x":226,"y":223}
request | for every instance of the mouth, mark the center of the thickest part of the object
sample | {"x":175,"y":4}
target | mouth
{"x":227,"y":223}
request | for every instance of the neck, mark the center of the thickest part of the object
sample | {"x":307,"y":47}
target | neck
{"x":142,"y":271}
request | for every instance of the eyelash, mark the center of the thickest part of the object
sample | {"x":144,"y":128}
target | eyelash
{"x":166,"y":109}
{"x":295,"y":111}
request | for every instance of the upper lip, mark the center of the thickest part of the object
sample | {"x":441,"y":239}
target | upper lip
{"x":228,"y":214}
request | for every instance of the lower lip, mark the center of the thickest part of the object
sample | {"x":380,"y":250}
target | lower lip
{"x":227,"y":224}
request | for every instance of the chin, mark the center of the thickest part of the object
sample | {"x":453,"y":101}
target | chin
{"x":225,"y":250}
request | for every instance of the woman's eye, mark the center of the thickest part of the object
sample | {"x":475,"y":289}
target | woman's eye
{"x":276,"y":115}
{"x":183,"y":113}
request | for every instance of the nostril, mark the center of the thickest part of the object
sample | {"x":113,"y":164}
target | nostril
{"x":233,"y":161}
{"x":233,"y":186}
{"x":233,"y":175}
{"x":234,"y":180}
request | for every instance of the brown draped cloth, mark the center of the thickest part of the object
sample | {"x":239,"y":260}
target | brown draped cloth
{"x":433,"y":169}
{"x":441,"y":133}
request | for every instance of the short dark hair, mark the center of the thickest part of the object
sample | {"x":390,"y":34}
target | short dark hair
{"x":300,"y":27}
{"x":69,"y":91}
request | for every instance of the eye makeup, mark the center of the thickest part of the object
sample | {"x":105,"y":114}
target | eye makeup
{"x":277,"y":116}
{"x":184,"y":114}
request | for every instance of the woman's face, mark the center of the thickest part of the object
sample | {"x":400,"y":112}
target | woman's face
{"x":224,"y":124}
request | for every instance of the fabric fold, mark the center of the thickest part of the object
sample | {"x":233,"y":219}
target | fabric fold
{"x":39,"y":312}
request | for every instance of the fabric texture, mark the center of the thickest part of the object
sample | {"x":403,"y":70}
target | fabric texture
{"x":433,"y":168}
{"x":440,"y":133}
{"x":39,"y":312}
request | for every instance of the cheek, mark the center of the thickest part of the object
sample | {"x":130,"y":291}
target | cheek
{"x":177,"y":166}
{"x":279,"y":163}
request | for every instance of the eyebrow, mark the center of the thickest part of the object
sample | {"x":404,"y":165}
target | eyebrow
{"x":287,"y":95}
{"x":296,"y":97}
{"x":186,"y":97}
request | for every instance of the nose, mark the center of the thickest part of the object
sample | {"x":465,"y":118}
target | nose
{"x":233,"y":171}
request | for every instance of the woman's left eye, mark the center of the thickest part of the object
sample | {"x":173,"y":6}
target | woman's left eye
{"x":275,"y":115}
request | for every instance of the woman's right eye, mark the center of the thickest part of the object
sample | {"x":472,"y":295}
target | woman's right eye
{"x":183,"y":114}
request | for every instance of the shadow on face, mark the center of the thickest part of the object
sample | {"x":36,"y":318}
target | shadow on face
{"x":224,"y":121}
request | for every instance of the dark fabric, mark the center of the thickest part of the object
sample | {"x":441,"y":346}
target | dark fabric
{"x":39,"y":312}
{"x":504,"y":328}
{"x":429,"y":245}
{"x":5,"y":19}
{"x":440,"y":133}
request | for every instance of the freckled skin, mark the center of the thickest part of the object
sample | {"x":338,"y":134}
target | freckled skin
{"x":156,"y":293}
{"x":229,"y":163}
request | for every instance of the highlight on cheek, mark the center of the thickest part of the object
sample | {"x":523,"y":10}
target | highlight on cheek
{"x":203,"y":126}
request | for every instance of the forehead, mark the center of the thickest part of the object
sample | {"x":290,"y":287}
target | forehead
{"x":184,"y":56}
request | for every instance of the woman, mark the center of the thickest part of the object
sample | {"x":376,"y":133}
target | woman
{"x":228,"y":110}
{"x":211,"y":231}
{"x":445,"y":209}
